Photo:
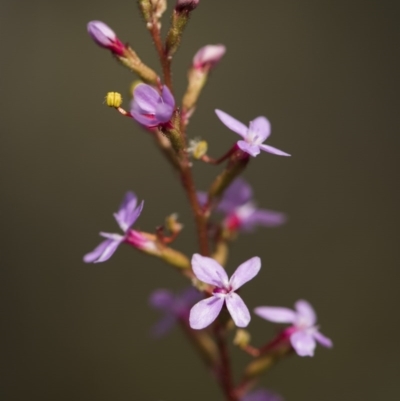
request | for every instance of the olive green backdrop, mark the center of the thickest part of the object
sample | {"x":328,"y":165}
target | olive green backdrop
{"x":324,"y":72}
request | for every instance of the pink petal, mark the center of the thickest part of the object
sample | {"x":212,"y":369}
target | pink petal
{"x":167,"y":96}
{"x":163,"y":113}
{"x":146,"y":97}
{"x":245,"y":272}
{"x":238,"y":309}
{"x":306,"y":312}
{"x":205,"y":312}
{"x":261,"y":126}
{"x":103,"y":251}
{"x":263,"y":217}
{"x":303,"y":343}
{"x":274,"y":151}
{"x":324,"y":341}
{"x":209,"y":271}
{"x":252,"y":150}
{"x":232,"y":123}
{"x":276,"y":314}
{"x":162,"y":299}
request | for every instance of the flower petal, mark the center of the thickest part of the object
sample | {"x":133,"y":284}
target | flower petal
{"x":238,"y":309}
{"x":162,"y":299}
{"x":103,"y":251}
{"x":303,"y":343}
{"x":232,"y":123}
{"x":245,"y":272}
{"x":167,"y":97}
{"x":323,"y":340}
{"x":274,"y":151}
{"x":205,"y":312}
{"x":276,"y":314}
{"x":146,"y":97}
{"x":148,"y":120}
{"x":126,"y":208}
{"x":263,"y":217}
{"x":209,"y":271}
{"x":261,"y":126}
{"x":305,"y":312}
{"x":237,"y":194}
{"x":163,"y":113}
{"x":252,"y":150}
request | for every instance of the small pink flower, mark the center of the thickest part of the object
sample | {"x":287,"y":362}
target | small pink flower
{"x":151,"y":109}
{"x":209,"y":271}
{"x":186,"y":5}
{"x":126,"y":216}
{"x":303,"y":333}
{"x":253,"y":136}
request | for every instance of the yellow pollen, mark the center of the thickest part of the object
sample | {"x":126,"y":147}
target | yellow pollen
{"x":113,"y":99}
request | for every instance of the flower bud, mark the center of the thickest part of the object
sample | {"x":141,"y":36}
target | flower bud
{"x":186,"y":6}
{"x":208,"y":56}
{"x":105,"y":37}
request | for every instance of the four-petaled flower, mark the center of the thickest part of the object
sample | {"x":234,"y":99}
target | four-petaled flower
{"x":241,"y":212}
{"x":125,"y":217}
{"x":253,"y":136}
{"x":261,"y":394}
{"x":303,"y":333}
{"x":105,"y":37}
{"x":209,"y":271}
{"x":151,"y":109}
{"x":174,"y":306}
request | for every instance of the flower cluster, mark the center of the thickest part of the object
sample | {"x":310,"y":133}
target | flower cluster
{"x":211,"y":306}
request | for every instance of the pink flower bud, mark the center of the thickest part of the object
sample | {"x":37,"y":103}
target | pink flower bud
{"x":208,"y":56}
{"x":105,"y":37}
{"x":186,"y":5}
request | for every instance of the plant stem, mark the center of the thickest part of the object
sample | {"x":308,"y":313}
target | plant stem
{"x":224,"y":370}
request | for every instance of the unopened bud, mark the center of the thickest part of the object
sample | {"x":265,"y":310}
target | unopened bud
{"x":113,"y":99}
{"x":105,"y":37}
{"x":208,"y":56}
{"x":186,"y":6}
{"x":197,"y":148}
{"x":242,"y":338}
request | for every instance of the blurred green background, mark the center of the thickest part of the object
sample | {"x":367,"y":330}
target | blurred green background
{"x":323,"y":72}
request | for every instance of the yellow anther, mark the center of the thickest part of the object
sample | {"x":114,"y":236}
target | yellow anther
{"x":198,"y":148}
{"x":113,"y":99}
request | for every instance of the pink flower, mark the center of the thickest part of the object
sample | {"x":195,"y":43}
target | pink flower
{"x":303,"y":333}
{"x":151,"y":109}
{"x":126,"y":216}
{"x":209,"y":271}
{"x":173,"y":307}
{"x":253,"y":136}
{"x":241,"y":213}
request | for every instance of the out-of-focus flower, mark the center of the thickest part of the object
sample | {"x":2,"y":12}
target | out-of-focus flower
{"x":126,"y":216}
{"x":208,"y":56}
{"x":105,"y":37}
{"x":261,"y":394}
{"x":303,"y":333}
{"x":209,"y":271}
{"x":173,"y":306}
{"x":253,"y":136}
{"x":151,"y":109}
{"x":241,"y":213}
